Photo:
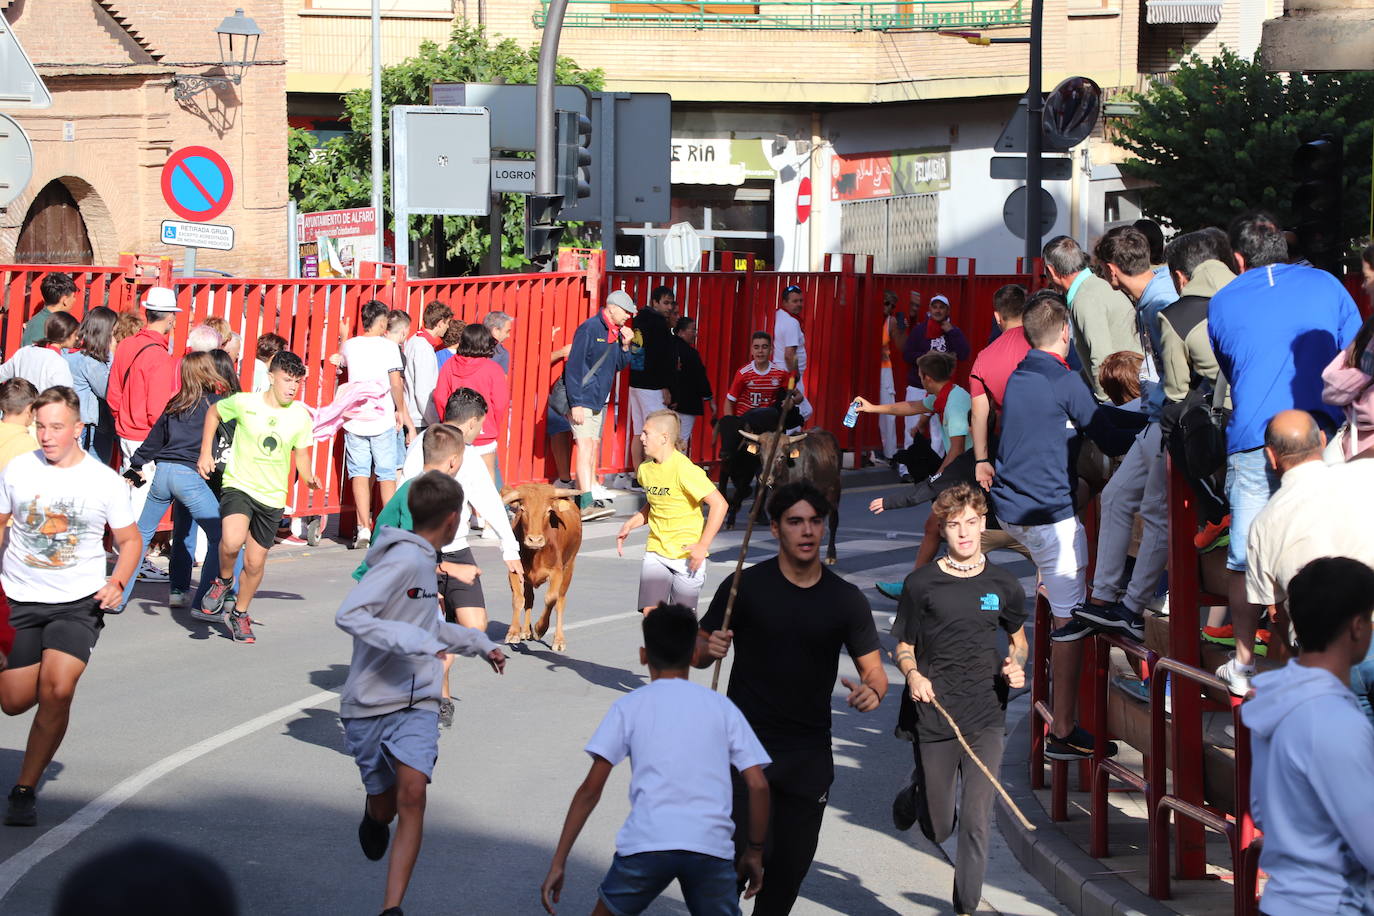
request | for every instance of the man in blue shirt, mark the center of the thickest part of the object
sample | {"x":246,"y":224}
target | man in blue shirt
{"x":1273,"y":328}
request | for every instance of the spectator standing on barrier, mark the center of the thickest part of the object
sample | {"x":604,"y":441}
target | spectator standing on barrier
{"x":90,"y":368}
{"x":789,"y":342}
{"x":370,"y":441}
{"x":59,"y":296}
{"x":947,"y":629}
{"x":791,"y":619}
{"x":893,"y":339}
{"x":57,"y":588}
{"x":500,"y":325}
{"x":1273,"y":329}
{"x":1312,"y":776}
{"x":937,"y":333}
{"x":1103,"y":319}
{"x":600,"y":349}
{"x":1140,"y":485}
{"x":652,"y":365}
{"x":691,"y":389}
{"x":422,"y":364}
{"x":1047,"y":410}
{"x":43,"y":363}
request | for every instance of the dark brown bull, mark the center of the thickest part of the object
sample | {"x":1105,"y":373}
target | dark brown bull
{"x":813,"y":456}
{"x":548,"y":526}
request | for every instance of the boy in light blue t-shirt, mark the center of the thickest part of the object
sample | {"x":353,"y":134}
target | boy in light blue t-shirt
{"x":682,"y":739}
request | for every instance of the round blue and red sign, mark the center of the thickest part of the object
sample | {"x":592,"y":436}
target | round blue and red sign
{"x":197,"y":183}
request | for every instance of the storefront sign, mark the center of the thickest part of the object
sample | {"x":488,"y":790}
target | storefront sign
{"x":333,"y":243}
{"x":719,"y":160}
{"x":867,"y":176}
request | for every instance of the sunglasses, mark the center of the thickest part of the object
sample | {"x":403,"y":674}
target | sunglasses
{"x":787,"y":291}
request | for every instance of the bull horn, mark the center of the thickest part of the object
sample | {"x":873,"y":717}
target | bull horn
{"x":562,"y":493}
{"x":797,"y":438}
{"x":752,"y":437}
{"x":510,"y":497}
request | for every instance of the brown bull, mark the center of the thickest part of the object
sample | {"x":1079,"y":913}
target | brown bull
{"x":812,"y":456}
{"x":548,"y":526}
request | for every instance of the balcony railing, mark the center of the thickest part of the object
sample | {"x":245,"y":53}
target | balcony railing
{"x":826,"y":15}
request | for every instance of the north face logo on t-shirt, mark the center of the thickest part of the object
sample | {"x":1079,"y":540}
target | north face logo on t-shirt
{"x":989,"y":602}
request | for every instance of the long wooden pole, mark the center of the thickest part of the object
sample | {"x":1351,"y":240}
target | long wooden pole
{"x":771,"y":467}
{"x":982,"y":766}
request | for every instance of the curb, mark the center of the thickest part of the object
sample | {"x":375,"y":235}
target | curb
{"x":1065,"y":870}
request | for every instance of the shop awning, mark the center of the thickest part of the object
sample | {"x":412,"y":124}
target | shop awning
{"x":1165,"y":12}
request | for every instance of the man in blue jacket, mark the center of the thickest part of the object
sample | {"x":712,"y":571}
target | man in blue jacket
{"x":1047,"y":409}
{"x":600,"y":349}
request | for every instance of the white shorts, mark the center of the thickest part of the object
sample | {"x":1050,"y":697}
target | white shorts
{"x":687,"y":422}
{"x":662,"y":579}
{"x":643,"y":401}
{"x":1060,"y":554}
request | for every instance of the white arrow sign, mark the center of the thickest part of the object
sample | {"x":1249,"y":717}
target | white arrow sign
{"x":197,"y":235}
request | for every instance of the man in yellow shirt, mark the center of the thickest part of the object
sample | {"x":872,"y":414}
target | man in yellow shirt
{"x":679,"y":541}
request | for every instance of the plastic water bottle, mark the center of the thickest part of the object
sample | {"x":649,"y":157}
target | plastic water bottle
{"x":851,"y":416}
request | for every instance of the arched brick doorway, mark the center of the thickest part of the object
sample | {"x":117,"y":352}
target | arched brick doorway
{"x":54,"y":231}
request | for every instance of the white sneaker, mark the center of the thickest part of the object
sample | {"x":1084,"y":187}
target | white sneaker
{"x":1237,"y":678}
{"x":362,"y":538}
{"x":601,"y":494}
{"x":148,"y":572}
{"x":179,"y":599}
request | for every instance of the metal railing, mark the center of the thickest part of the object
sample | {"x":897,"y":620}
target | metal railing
{"x":806,"y":15}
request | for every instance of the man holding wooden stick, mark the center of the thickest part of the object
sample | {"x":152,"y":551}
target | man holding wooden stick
{"x":789,"y":620}
{"x":948,"y":621}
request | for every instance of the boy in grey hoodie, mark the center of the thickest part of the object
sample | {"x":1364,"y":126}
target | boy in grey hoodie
{"x":1313,"y":774}
{"x":390,"y":702}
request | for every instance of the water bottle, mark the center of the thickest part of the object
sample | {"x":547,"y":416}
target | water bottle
{"x":851,"y":416}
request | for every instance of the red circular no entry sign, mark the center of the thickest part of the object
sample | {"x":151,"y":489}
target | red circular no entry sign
{"x":803,"y":200}
{"x":197,"y":183}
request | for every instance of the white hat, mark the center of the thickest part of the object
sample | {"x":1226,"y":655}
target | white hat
{"x":622,"y":299}
{"x":938,"y":298}
{"x":161,"y":299}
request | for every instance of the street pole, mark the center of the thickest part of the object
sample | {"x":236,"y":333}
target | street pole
{"x":377,"y":128}
{"x":545,"y":179}
{"x":1035,"y":110}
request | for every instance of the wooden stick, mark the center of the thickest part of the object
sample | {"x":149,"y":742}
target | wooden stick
{"x":982,"y":766}
{"x":771,"y":467}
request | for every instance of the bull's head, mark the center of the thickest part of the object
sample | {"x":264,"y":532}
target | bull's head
{"x":535,"y":508}
{"x":762,"y":444}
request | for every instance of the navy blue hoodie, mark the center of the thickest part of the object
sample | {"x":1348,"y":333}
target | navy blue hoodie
{"x":1046,"y":408}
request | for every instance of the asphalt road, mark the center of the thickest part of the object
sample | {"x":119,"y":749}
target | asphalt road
{"x":180,"y":734}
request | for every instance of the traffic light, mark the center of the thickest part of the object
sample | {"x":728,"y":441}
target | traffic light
{"x":542,"y":233}
{"x":1318,"y":181}
{"x":573,"y":132}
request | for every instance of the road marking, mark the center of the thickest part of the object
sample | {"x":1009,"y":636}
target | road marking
{"x":13,"y":869}
{"x":607,"y":619}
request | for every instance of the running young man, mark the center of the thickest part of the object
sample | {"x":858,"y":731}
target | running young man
{"x":272,"y":430}
{"x":948,"y":624}
{"x":792,"y":617}
{"x":59,"y":500}
{"x":674,"y":567}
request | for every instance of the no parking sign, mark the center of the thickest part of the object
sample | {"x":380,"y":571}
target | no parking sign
{"x":197,"y":183}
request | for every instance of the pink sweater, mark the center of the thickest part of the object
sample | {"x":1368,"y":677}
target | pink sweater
{"x":1349,"y":387}
{"x":484,"y":376}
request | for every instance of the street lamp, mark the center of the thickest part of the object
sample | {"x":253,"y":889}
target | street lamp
{"x":238,"y":50}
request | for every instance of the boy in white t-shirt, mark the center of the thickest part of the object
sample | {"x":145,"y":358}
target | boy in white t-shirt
{"x":370,"y":441}
{"x":682,"y":739}
{"x":59,"y":500}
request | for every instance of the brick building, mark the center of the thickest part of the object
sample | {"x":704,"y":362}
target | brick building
{"x":111,"y":66}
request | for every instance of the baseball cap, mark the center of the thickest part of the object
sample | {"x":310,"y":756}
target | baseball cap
{"x":622,"y":299}
{"x":161,"y":299}
{"x":938,"y":298}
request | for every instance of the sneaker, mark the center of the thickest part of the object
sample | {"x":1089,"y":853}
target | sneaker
{"x":1205,"y":539}
{"x":392,"y":911}
{"x":287,"y":539}
{"x":565,"y":485}
{"x":23,"y":807}
{"x":596,"y":511}
{"x":601,"y":494}
{"x":361,"y":539}
{"x":149,"y":572}
{"x":1076,"y":745}
{"x":178,"y":599}
{"x":314,"y":528}
{"x":446,"y":713}
{"x":212,"y":605}
{"x":1115,"y":618}
{"x":373,"y":837}
{"x":1220,"y":543}
{"x":891,"y":590}
{"x":635,"y":485}
{"x":1222,"y":636}
{"x":904,"y":807}
{"x":241,"y":627}
{"x":1072,"y":631}
{"x":1237,"y":678}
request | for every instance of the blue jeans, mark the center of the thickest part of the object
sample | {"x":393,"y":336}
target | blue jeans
{"x":1249,"y":484}
{"x":633,"y":882}
{"x":195,"y":501}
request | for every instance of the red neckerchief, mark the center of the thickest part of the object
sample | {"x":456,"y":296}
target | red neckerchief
{"x":1061,"y":360}
{"x":942,"y":399}
{"x":612,"y":332}
{"x":430,"y":339}
{"x":56,"y":349}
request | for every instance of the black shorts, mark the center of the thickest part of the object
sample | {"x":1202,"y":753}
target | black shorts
{"x":457,"y":593}
{"x":262,"y":519}
{"x":71,"y":628}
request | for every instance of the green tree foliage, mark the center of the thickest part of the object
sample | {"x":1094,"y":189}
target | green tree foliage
{"x":1219,"y":138}
{"x":338,"y":174}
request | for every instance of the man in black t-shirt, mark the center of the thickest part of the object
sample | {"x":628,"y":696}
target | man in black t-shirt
{"x":791,"y":618}
{"x":948,"y":622}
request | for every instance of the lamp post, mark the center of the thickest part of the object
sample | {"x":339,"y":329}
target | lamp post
{"x":238,"y":50}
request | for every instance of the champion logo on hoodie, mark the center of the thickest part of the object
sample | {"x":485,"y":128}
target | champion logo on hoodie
{"x":420,"y":593}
